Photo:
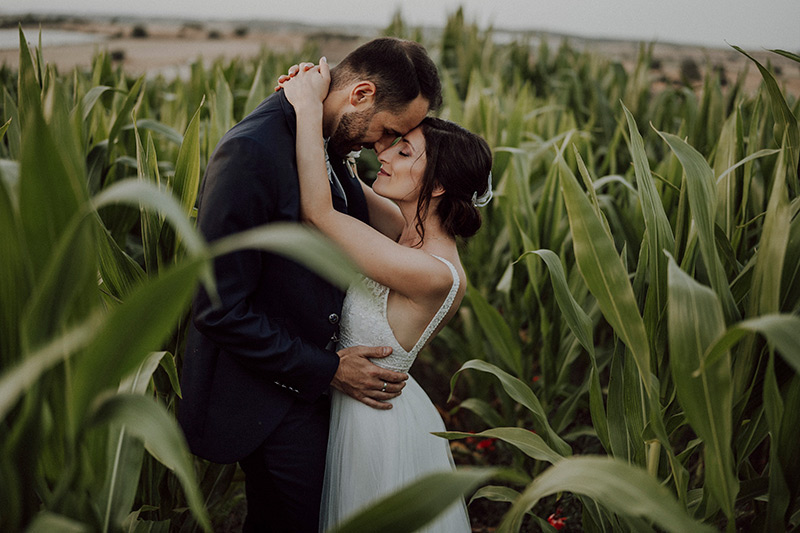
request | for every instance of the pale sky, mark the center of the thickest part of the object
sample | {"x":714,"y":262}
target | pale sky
{"x":750,"y":24}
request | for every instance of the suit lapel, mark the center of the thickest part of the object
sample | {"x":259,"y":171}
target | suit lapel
{"x":337,"y":182}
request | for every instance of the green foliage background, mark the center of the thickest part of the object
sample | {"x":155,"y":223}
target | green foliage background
{"x":630,"y":337}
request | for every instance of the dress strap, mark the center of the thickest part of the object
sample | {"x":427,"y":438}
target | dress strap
{"x":443,"y":310}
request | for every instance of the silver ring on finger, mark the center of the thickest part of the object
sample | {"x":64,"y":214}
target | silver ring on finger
{"x":384,"y":387}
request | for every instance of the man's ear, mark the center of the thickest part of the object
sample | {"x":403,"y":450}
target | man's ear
{"x":362,"y":93}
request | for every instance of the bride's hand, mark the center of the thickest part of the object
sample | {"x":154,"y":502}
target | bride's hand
{"x":291,"y":73}
{"x":309,"y":86}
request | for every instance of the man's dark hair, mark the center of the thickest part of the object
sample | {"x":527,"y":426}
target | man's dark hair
{"x":400,"y":69}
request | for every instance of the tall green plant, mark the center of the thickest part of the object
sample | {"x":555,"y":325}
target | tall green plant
{"x":88,"y":436}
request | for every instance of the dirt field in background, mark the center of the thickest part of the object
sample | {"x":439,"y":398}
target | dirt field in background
{"x":170,"y":46}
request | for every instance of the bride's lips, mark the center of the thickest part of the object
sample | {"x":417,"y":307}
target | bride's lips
{"x":381,"y":171}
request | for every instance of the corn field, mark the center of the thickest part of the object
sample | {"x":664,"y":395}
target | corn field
{"x":629,"y":344}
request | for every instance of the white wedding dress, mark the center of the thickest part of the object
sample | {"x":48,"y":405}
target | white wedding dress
{"x":372,"y":452}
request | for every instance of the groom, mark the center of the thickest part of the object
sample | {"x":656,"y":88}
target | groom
{"x":258,"y":367}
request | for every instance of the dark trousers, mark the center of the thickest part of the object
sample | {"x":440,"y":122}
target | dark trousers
{"x":283,"y":477}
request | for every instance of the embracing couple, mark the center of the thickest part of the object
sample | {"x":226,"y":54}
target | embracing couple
{"x":304,"y":386}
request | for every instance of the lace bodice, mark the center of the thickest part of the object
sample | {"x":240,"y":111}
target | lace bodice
{"x":365,"y":322}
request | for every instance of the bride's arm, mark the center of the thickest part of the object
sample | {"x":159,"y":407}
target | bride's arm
{"x":384,"y":215}
{"x":408,"y":271}
{"x":306,"y":93}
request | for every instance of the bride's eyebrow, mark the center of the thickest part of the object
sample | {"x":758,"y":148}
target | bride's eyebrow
{"x":414,"y":148}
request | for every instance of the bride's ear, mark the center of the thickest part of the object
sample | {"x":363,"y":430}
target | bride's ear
{"x":438,"y":190}
{"x":362,"y":93}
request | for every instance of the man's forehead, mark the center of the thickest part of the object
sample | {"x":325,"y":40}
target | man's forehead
{"x":403,"y":122}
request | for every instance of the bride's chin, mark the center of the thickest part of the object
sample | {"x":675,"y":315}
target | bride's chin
{"x":377,"y":186}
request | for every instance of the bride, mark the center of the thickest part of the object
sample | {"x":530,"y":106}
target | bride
{"x":426,"y":194}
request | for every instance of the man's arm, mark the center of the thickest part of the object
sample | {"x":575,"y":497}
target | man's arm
{"x":238,"y":196}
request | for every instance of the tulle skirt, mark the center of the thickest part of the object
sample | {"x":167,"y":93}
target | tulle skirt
{"x":372,"y":453}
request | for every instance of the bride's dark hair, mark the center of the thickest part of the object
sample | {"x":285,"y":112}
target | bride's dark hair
{"x":459,"y":161}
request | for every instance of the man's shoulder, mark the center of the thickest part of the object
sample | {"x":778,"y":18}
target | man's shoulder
{"x":261,"y":145}
{"x":269,"y":119}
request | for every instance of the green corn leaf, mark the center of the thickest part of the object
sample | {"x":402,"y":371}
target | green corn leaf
{"x":297,"y":242}
{"x":220,"y":109}
{"x":147,"y":420}
{"x":216,"y":480}
{"x":4,"y":128}
{"x":497,"y":331}
{"x":790,"y":279}
{"x":65,"y":291}
{"x":578,"y":321}
{"x":96,"y":162}
{"x":728,"y":185}
{"x":781,"y":331}
{"x":125,"y":458}
{"x":13,"y":129}
{"x":257,"y":92}
{"x":17,"y":380}
{"x":405,"y":510}
{"x":766,"y":279}
{"x":790,"y":55}
{"x":695,"y":320}
{"x":52,"y":189}
{"x":167,"y":363}
{"x":155,"y":307}
{"x":29,"y":86}
{"x":137,"y":381}
{"x":765,"y":294}
{"x":124,"y":113}
{"x":136,"y":193}
{"x":155,"y":126}
{"x":118,"y":271}
{"x":187,"y":167}
{"x":140,"y":525}
{"x":615,"y":485}
{"x":151,"y":221}
{"x":91,"y":98}
{"x":703,"y":201}
{"x":613,"y":179}
{"x":597,"y":409}
{"x":214,"y":484}
{"x":786,"y":125}
{"x":125,"y":452}
{"x":604,"y":273}
{"x":778,"y":489}
{"x":655,"y":219}
{"x":16,"y":281}
{"x":626,"y":412}
{"x":592,"y":186}
{"x":522,"y":394}
{"x":484,"y":410}
{"x":788,"y":436}
{"x":752,"y":157}
{"x":525,"y":440}
{"x":47,"y":522}
{"x":495,"y":493}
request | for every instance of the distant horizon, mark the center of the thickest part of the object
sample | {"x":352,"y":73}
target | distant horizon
{"x":363,"y":25}
{"x":713,"y":23}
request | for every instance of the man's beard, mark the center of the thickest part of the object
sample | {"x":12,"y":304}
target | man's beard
{"x":350,"y":132}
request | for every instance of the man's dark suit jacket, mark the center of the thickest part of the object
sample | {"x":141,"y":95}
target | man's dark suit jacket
{"x":250,"y":359}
